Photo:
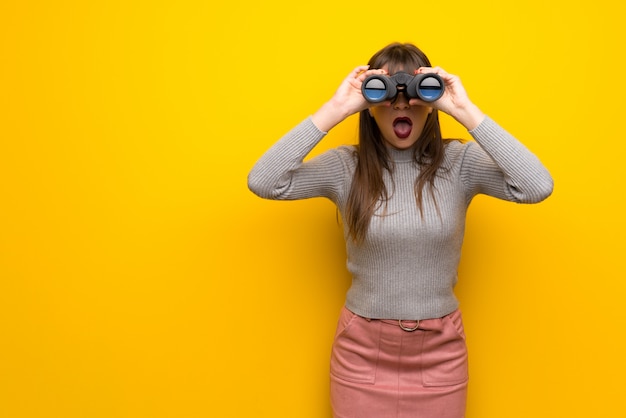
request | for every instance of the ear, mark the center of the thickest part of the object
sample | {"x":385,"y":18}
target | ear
{"x":369,"y":110}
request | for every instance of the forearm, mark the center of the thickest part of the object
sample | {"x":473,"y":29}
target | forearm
{"x":269,"y":175}
{"x":330,"y":115}
{"x":527,"y":178}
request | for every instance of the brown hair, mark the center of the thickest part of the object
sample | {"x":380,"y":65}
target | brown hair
{"x":368,"y":191}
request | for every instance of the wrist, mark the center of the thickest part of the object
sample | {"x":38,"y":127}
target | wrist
{"x":329,"y":115}
{"x":469,"y":115}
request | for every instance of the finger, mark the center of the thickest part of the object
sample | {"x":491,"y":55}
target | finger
{"x":424,"y":70}
{"x":444,"y":74}
{"x":359,"y":70}
{"x":430,"y":105}
{"x":374,"y":71}
{"x":363,"y":75}
{"x":417,"y":102}
{"x":386,"y":103}
{"x":433,"y":70}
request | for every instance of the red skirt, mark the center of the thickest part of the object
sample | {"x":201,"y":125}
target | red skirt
{"x":388,"y":368}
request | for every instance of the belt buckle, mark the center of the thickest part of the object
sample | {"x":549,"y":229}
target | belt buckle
{"x":408,"y":329}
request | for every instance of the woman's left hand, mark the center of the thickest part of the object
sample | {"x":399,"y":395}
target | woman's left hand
{"x":455,"y":101}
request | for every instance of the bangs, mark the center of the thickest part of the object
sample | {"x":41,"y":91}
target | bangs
{"x":400,"y":57}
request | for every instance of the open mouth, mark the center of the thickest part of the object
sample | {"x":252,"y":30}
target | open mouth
{"x":402,"y":127}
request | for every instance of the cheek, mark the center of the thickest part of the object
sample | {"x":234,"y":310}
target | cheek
{"x":420,"y":120}
{"x":378,"y":114}
{"x":422,"y":114}
{"x":384,"y":124}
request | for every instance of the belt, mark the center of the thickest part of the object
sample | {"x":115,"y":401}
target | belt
{"x":415,"y":324}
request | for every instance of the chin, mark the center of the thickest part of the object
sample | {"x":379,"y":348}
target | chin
{"x":403,"y":143}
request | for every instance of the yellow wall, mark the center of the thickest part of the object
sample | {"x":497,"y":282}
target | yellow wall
{"x":140,"y":278}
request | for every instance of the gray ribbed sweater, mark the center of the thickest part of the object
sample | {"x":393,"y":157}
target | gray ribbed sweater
{"x":407,"y":266}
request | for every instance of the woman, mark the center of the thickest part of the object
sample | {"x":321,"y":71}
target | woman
{"x":403,"y":193}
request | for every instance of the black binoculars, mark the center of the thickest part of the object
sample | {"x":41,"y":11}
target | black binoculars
{"x":379,"y":87}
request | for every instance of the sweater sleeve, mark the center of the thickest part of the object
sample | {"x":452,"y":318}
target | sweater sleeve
{"x":282,"y":174}
{"x":498,"y":165}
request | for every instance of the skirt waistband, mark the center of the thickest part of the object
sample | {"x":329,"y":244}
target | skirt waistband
{"x":409,"y":325}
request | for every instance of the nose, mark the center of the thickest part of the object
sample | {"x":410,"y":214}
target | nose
{"x":401,"y":102}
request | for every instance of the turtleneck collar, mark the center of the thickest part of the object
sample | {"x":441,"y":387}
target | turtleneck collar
{"x":400,"y":156}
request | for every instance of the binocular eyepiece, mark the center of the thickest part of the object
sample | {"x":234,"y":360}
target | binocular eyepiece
{"x":379,"y":87}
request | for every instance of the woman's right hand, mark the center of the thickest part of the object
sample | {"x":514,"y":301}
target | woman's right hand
{"x":347,"y":100}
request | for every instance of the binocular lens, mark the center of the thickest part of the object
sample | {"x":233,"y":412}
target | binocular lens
{"x":430,"y":89}
{"x":374,"y":90}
